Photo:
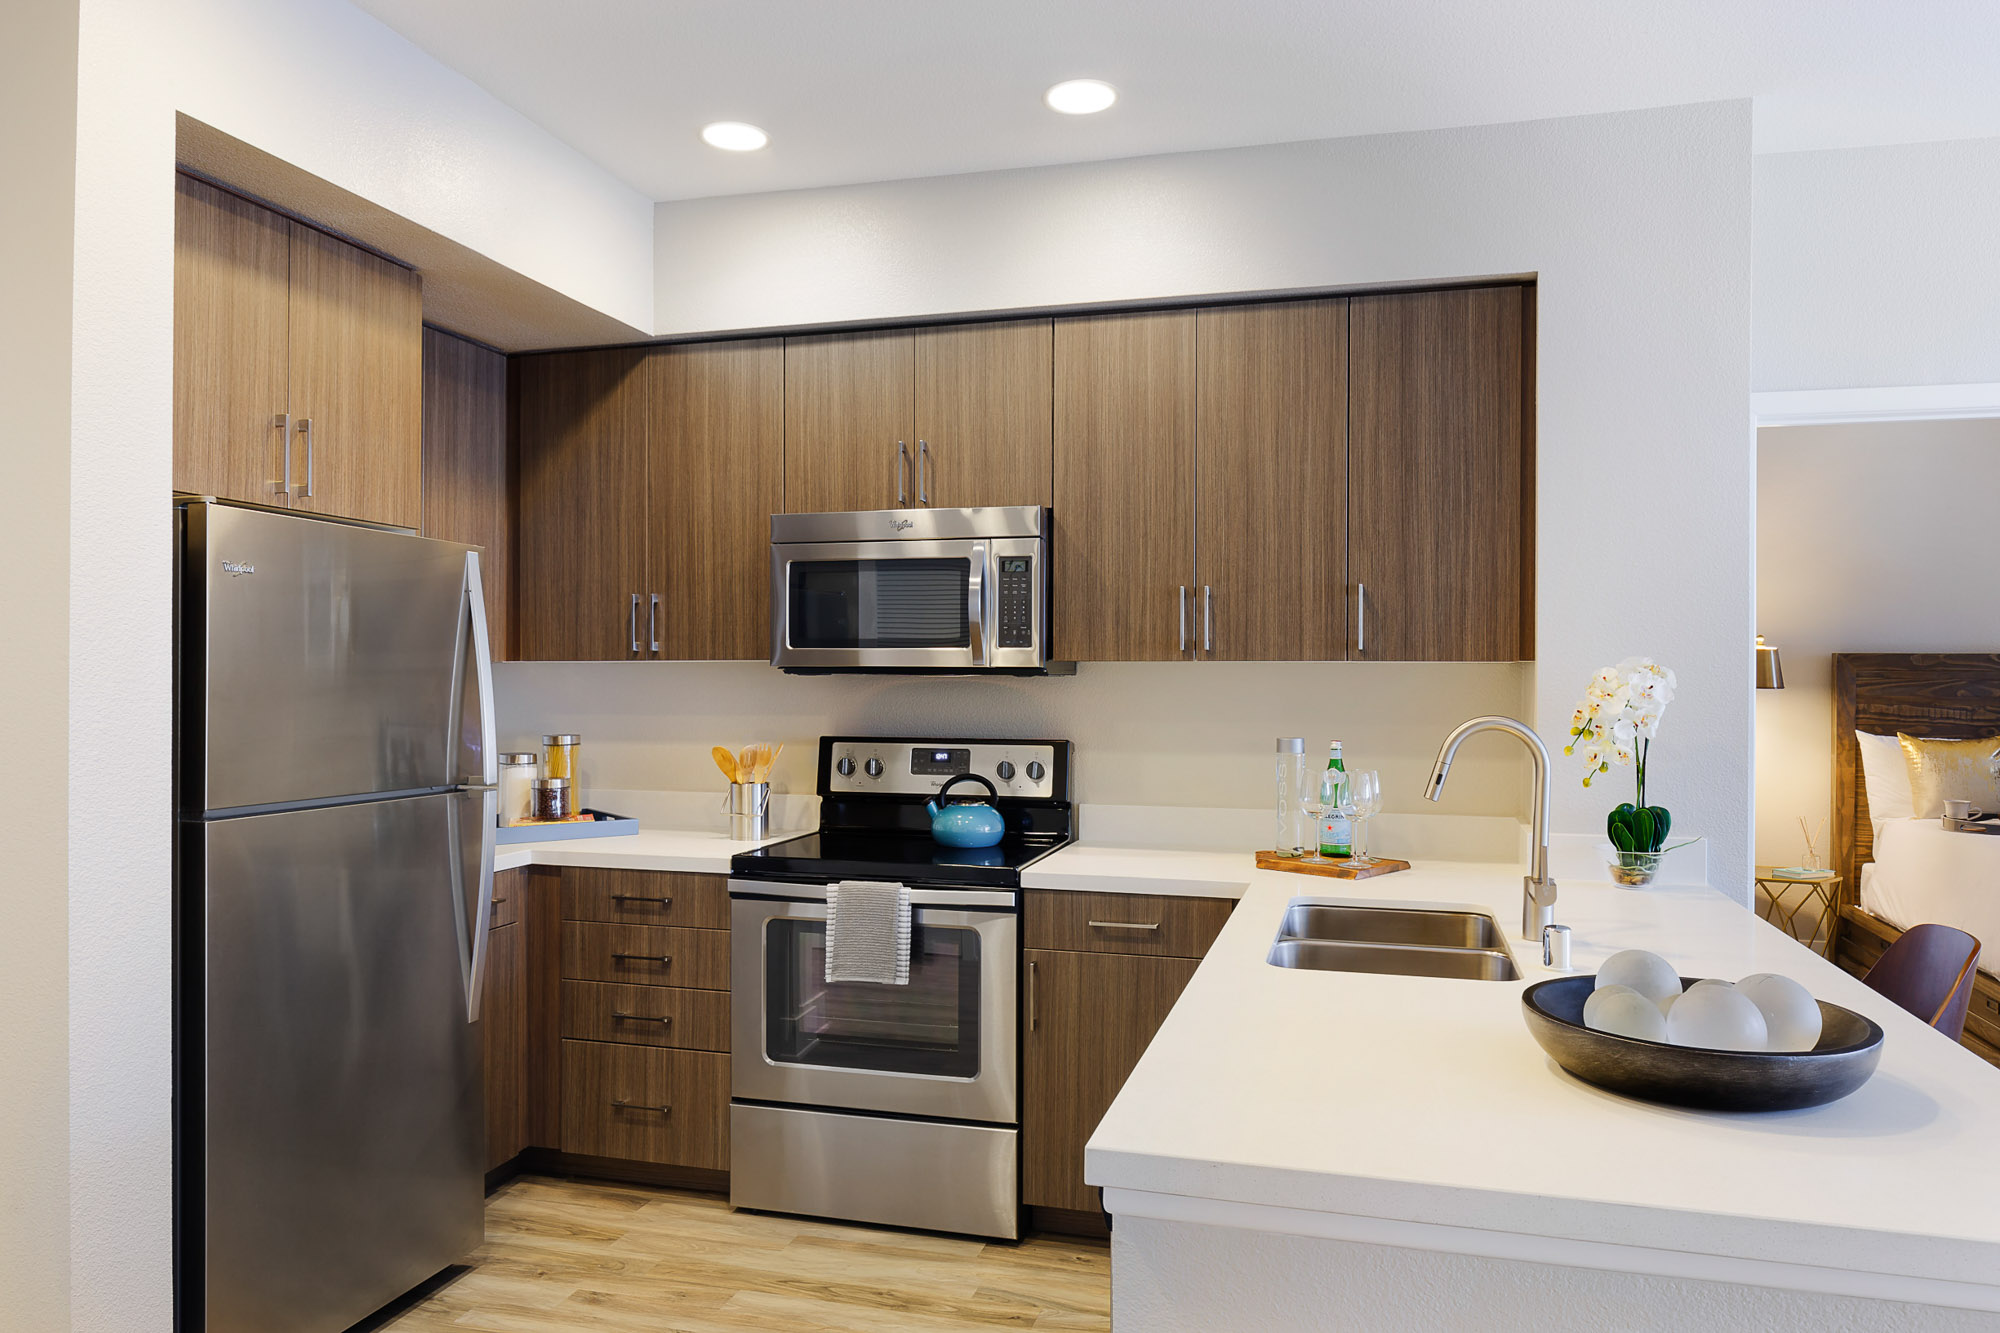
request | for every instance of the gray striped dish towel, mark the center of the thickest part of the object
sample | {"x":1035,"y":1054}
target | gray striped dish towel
{"x":868,"y":932}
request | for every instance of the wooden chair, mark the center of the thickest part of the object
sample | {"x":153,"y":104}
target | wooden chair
{"x":1929,"y":972}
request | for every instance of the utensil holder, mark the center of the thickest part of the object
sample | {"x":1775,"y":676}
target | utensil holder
{"x":749,"y":807}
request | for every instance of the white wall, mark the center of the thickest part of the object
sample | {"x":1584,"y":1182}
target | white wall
{"x":1637,"y":224}
{"x":1868,"y":540}
{"x":321,"y":85}
{"x":1877,"y":266}
{"x":37,"y":221}
{"x":1147,"y":733}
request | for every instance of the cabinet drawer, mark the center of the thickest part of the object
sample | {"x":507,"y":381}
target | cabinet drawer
{"x":646,"y":1104}
{"x":646,"y":1015}
{"x":508,"y":886}
{"x":646,"y":898}
{"x":1123,"y":923}
{"x":650,"y":955}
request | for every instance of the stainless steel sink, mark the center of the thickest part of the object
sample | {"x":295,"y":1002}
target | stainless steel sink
{"x":1396,"y":959}
{"x":1391,"y":925}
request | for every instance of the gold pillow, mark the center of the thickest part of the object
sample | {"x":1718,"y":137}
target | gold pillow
{"x":1951,"y":770}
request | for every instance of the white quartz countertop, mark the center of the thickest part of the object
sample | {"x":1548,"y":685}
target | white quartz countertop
{"x":1420,"y":1112}
{"x":697,"y":850}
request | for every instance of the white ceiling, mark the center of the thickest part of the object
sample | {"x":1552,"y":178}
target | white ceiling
{"x":861,"y":90}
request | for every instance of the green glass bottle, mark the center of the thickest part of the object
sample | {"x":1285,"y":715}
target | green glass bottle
{"x":1336,"y":830}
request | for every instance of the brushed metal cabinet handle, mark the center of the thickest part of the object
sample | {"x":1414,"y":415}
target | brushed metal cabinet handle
{"x":663,"y":959}
{"x":923,"y":488}
{"x":305,"y":428}
{"x":1207,"y":619}
{"x":498,"y":901}
{"x":640,"y":1018}
{"x":1031,"y":995}
{"x":641,"y":898}
{"x":902,"y":468}
{"x":1124,"y":925}
{"x":283,"y":423}
{"x":620,"y":1104}
{"x":653,"y":622}
{"x":632,"y":622}
{"x":1360,"y":618}
{"x":1182,"y":604}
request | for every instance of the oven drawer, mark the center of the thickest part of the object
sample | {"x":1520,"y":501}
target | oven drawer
{"x":646,"y":1015}
{"x":1122,"y":922}
{"x":646,"y":897}
{"x":645,"y":1104}
{"x":650,"y":955}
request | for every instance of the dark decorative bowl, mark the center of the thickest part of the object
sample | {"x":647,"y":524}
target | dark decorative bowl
{"x":1850,"y":1046}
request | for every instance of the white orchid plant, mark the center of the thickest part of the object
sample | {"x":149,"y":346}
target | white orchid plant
{"x":1614,"y":726}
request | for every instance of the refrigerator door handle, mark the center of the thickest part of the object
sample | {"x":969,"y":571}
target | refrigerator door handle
{"x":472,"y":942}
{"x":482,"y":667}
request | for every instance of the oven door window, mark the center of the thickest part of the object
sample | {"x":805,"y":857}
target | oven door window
{"x":912,"y":603}
{"x":930,"y":1026}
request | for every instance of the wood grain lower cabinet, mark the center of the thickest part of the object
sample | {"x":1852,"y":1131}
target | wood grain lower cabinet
{"x":1124,"y":487}
{"x":646,"y":1104}
{"x":648,"y":955}
{"x":646,"y":897}
{"x":467,"y":496}
{"x":1089,"y":1017}
{"x":1439,"y":473}
{"x":646,"y":1015}
{"x":503,"y":1021}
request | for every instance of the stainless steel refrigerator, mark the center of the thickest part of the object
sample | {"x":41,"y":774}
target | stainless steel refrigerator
{"x":335,"y":807}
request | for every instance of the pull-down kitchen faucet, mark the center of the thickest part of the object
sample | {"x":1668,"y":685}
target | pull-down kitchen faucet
{"x":1538,"y":891}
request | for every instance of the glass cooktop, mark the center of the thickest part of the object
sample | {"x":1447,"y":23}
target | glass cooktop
{"x":908,"y":858}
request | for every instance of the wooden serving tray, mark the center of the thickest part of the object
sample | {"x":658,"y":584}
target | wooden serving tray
{"x":1279,"y":861}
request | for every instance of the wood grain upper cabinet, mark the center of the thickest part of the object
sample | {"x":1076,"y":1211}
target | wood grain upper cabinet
{"x":850,"y":439}
{"x":585,"y":581}
{"x":1089,"y":1018}
{"x":232,"y":267}
{"x":1271,"y":482}
{"x":356,"y":357}
{"x":716,"y":475}
{"x":1124,"y":486}
{"x":984,"y":415}
{"x":465,"y":465}
{"x":298,"y":364}
{"x":1438,"y":473}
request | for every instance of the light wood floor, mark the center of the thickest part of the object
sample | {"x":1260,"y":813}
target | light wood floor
{"x":580,"y":1255}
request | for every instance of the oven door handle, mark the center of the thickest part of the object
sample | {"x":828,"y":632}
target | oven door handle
{"x":816,"y":893}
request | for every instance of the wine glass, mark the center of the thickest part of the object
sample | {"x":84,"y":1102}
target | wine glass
{"x":1364,"y":802}
{"x":1311,"y":804}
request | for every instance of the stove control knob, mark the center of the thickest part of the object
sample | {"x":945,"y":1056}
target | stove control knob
{"x":1036,"y":772}
{"x":874,"y":767}
{"x":845,"y":766}
{"x":1005,"y":770}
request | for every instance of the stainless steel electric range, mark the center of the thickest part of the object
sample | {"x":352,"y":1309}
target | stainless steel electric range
{"x":891,"y":1104}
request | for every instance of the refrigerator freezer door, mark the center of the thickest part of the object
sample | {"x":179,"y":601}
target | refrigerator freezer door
{"x":319,"y":659}
{"x":343,"y":1148}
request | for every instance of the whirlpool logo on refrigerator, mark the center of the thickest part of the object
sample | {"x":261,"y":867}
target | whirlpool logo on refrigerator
{"x":238,"y":568}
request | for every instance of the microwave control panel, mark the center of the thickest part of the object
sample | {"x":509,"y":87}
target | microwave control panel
{"x":1017,"y":601}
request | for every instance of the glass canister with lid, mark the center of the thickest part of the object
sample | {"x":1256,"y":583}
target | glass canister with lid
{"x":559,"y":755}
{"x":517,"y":787}
{"x":554,"y":798}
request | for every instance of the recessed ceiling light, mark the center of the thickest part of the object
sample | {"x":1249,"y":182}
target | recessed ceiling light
{"x":734,"y":136}
{"x":1080,"y":97}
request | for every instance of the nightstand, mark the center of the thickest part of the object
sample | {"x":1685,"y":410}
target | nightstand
{"x":1805,"y":909}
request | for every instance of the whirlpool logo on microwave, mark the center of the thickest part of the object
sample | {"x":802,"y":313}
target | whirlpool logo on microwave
{"x":238,"y":568}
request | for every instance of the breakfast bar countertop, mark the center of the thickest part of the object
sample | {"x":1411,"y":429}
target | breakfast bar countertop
{"x":1419,"y":1112}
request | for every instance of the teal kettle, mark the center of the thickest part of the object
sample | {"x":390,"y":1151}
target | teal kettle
{"x":969,"y":824}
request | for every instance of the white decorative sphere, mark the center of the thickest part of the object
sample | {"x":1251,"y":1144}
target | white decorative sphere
{"x":1719,"y":1018}
{"x":1624,"y":1012}
{"x":1791,"y":1015}
{"x":1648,"y":973}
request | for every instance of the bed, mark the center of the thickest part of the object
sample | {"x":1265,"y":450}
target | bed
{"x":1914,"y":870}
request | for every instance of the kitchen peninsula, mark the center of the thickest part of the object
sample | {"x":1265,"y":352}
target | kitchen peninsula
{"x":1306,"y":1150}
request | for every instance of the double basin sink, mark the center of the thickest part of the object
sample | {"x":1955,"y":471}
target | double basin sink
{"x":1404,"y":941}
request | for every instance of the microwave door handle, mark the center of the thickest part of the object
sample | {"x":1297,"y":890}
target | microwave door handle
{"x":975,"y":603}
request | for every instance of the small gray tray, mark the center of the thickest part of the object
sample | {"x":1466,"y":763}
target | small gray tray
{"x":602,"y":825}
{"x":1969,"y":825}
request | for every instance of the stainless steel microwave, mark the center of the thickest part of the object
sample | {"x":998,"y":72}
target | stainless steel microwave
{"x":912,"y":590}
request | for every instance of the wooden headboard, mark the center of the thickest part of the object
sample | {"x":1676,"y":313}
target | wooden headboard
{"x":1952,"y":695}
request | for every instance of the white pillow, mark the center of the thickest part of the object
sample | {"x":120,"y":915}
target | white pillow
{"x":1885,"y":771}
